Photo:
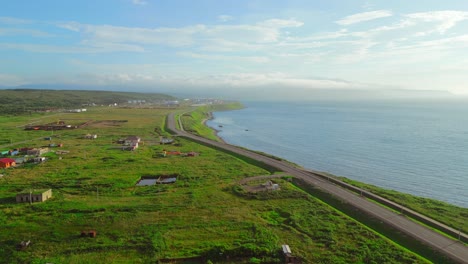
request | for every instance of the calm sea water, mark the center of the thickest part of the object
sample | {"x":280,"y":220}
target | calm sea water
{"x":419,"y":148}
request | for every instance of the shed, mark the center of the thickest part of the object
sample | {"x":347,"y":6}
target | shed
{"x":39,"y":159}
{"x":88,"y":233}
{"x":90,"y":136}
{"x":37,"y":151}
{"x":7,"y":162}
{"x":20,"y":160}
{"x":288,"y":256}
{"x":33,"y":196}
{"x":132,"y":139}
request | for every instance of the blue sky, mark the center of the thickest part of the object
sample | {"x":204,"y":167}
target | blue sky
{"x":215,"y":45}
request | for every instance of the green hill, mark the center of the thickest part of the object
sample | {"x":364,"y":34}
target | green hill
{"x":19,"y":101}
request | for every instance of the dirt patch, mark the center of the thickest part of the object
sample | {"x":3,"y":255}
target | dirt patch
{"x":108,"y":123}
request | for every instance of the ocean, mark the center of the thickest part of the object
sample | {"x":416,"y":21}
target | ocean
{"x":415,"y":147}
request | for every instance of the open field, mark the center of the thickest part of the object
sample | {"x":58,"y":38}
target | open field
{"x":205,"y":214}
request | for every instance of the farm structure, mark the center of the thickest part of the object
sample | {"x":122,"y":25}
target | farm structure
{"x":37,"y":151}
{"x":59,"y":125}
{"x":288,"y":256}
{"x":33,"y":196}
{"x":88,"y":233}
{"x":90,"y":136}
{"x":130,"y":143}
{"x":7,"y":163}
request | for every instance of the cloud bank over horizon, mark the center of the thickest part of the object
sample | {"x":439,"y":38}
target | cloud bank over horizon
{"x":214,"y":46}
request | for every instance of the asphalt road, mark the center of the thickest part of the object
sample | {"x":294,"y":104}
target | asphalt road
{"x":449,"y":247}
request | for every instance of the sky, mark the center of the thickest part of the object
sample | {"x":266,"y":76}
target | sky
{"x":237,"y":47}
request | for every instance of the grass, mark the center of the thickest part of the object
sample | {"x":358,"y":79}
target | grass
{"x":20,"y":101}
{"x":204,"y":215}
{"x":446,"y":213}
{"x":194,"y":121}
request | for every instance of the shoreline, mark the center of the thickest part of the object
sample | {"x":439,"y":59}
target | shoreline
{"x":393,"y":185}
{"x":373,"y":188}
{"x":216,"y":131}
{"x":362,"y":200}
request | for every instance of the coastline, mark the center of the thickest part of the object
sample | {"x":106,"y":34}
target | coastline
{"x":358,"y":200}
{"x":216,"y":131}
{"x":418,"y":203}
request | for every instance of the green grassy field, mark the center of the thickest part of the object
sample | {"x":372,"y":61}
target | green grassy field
{"x":205,"y":214}
{"x":451,"y":215}
{"x":20,"y":101}
{"x":193,"y":121}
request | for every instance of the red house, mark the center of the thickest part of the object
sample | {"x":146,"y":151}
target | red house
{"x":7,"y":162}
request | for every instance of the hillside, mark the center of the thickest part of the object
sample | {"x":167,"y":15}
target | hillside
{"x":19,"y":101}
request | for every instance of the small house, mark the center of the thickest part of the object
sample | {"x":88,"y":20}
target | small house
{"x":23,"y":245}
{"x":269,"y":185}
{"x":192,"y":154}
{"x":131,"y":140}
{"x":20,"y":160}
{"x":90,"y":136}
{"x":88,"y":233}
{"x":37,"y":151}
{"x":288,"y":256}
{"x":33,"y":196}
{"x":7,"y":163}
{"x":24,"y":151}
{"x":39,"y":159}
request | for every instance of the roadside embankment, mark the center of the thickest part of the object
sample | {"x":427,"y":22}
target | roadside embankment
{"x":397,"y":207}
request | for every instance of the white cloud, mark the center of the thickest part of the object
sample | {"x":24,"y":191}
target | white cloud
{"x":217,"y":57}
{"x":281,"y":23}
{"x":27,"y":32}
{"x":100,"y":47}
{"x":13,"y":21}
{"x":267,"y":31}
{"x":139,"y":2}
{"x":225,"y":18}
{"x":362,"y":17}
{"x":139,"y":79}
{"x":445,"y":19}
{"x":72,"y":26}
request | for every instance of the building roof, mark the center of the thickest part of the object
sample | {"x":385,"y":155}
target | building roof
{"x":286,"y":249}
{"x":33,"y":191}
{"x":7,"y":160}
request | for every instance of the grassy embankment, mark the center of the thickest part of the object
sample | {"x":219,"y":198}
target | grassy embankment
{"x":193,"y":121}
{"x":204,"y":214}
{"x":451,"y":215}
